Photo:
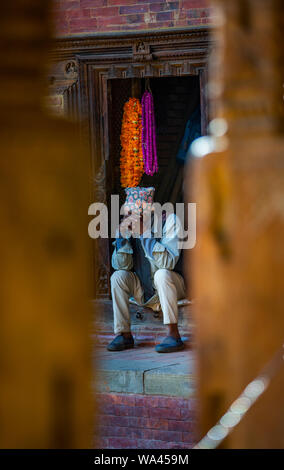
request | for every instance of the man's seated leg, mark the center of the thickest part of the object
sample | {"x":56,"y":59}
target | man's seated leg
{"x":124,"y":284}
{"x":170,"y":287}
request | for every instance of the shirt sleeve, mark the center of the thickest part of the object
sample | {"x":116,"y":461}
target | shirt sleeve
{"x":122,"y":257}
{"x":164,"y":251}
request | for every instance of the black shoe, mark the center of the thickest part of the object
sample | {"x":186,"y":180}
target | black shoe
{"x":120,"y":343}
{"x":169,"y":345}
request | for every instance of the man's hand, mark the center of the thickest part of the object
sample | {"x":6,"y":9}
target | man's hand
{"x":132,"y":223}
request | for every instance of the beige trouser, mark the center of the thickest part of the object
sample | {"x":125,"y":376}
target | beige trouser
{"x":125,"y":284}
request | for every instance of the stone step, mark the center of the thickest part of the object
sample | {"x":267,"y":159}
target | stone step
{"x":143,"y":371}
{"x":145,"y":399}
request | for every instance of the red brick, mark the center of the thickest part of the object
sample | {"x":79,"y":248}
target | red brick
{"x":169,"y":436}
{"x":111,"y":28}
{"x":141,"y":400}
{"x":192,"y":403}
{"x":129,"y":400}
{"x":135,"y":422}
{"x":92,"y":3}
{"x":122,"y":443}
{"x":105,"y":12}
{"x":162,"y":402}
{"x":134,"y":18}
{"x":137,"y":411}
{"x":120,"y":399}
{"x":70,"y":15}
{"x":107,"y":409}
{"x":169,"y":402}
{"x":101,"y":443}
{"x":132,"y":27}
{"x":125,"y":2}
{"x":194,"y":21}
{"x":165,"y":413}
{"x":194,"y":13}
{"x":175,"y":445}
{"x":156,"y":7}
{"x":174,"y":430}
{"x":86,"y":24}
{"x":141,"y":411}
{"x":188,"y":437}
{"x":102,"y":398}
{"x":159,"y":25}
{"x":112,"y":431}
{"x":109,"y":20}
{"x":194,"y":3}
{"x":65,"y":5}
{"x":175,"y":425}
{"x":181,"y":15}
{"x":109,"y":420}
{"x":173,"y":5}
{"x":82,"y":13}
{"x":125,"y":10}
{"x":140,"y":433}
{"x":184,"y":403}
{"x":61,"y":26}
{"x":113,"y":20}
{"x":156,"y":423}
{"x":164,"y":6}
{"x":186,"y":414}
{"x":155,"y":401}
{"x":164,"y":16}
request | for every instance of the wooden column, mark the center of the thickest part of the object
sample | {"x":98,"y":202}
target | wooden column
{"x":45,"y":393}
{"x":239,"y":257}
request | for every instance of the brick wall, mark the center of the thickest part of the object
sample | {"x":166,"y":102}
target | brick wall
{"x":90,"y":16}
{"x":129,"y":421}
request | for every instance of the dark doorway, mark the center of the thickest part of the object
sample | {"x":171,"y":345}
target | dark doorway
{"x":175,"y":100}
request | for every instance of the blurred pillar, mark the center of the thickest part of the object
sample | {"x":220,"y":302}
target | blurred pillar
{"x":45,"y":365}
{"x":239,"y":257}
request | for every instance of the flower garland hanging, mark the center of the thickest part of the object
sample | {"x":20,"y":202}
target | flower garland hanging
{"x":149,"y":134}
{"x":131,"y":160}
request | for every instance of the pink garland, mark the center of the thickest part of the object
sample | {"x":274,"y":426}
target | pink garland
{"x":149,"y":147}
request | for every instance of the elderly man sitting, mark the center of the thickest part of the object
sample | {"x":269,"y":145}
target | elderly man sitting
{"x":147,"y":269}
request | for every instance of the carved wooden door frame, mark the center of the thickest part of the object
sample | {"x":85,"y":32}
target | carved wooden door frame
{"x":84,"y":68}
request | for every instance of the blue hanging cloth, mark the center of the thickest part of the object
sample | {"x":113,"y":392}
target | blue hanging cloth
{"x":192,"y":132}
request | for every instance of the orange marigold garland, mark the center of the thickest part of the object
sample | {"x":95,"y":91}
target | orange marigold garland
{"x":131,"y":159}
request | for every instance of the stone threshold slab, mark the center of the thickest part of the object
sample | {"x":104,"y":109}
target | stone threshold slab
{"x":143,"y":371}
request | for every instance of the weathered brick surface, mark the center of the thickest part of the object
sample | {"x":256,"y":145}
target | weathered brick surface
{"x":90,"y":16}
{"x":145,"y":422}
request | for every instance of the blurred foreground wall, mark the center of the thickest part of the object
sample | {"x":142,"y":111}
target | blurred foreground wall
{"x":45,"y":368}
{"x":239,"y":257}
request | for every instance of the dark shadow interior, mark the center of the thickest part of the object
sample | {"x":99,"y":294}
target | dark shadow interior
{"x":175,"y":99}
